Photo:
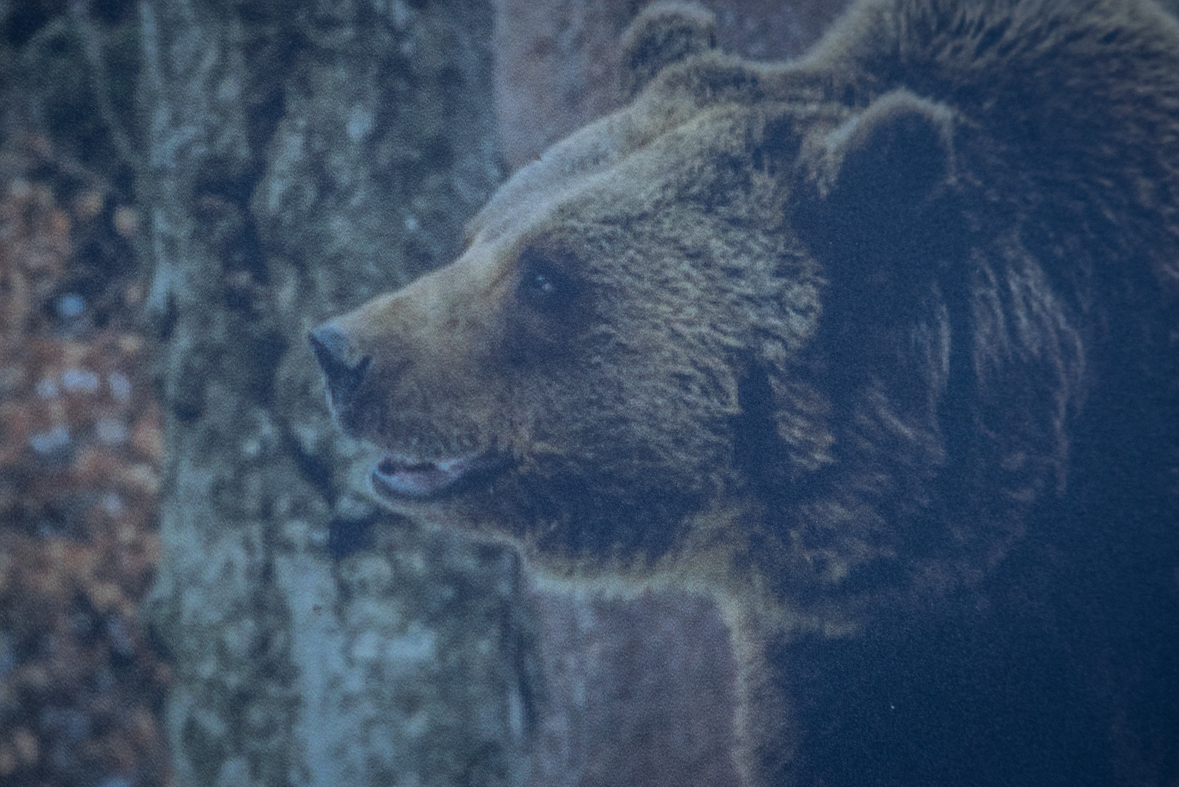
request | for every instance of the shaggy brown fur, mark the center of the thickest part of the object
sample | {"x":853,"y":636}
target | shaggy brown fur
{"x":827,"y":337}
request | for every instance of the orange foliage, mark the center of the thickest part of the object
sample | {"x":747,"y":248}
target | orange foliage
{"x":80,"y":452}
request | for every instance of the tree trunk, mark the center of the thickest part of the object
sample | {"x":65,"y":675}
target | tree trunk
{"x":300,"y":157}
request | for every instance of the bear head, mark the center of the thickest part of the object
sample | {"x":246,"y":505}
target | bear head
{"x":830,"y":320}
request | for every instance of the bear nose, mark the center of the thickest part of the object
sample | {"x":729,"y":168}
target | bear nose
{"x":343,"y":367}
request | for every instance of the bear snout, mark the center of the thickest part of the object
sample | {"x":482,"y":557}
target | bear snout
{"x":344,"y":368}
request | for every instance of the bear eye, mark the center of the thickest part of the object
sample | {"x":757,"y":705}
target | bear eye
{"x":544,"y":287}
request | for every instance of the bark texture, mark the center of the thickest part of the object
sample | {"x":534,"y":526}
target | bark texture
{"x":300,"y":157}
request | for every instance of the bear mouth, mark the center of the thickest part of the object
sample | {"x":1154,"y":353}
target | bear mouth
{"x":399,"y":476}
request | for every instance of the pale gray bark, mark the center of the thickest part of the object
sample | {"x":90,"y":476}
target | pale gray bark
{"x":300,"y":157}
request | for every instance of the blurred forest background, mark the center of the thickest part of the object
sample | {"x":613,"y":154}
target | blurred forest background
{"x":144,"y":281}
{"x":80,"y":427}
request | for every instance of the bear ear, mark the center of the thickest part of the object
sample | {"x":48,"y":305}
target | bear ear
{"x":873,"y":179}
{"x":663,"y":34}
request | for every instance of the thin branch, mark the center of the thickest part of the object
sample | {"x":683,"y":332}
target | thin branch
{"x":92,"y":48}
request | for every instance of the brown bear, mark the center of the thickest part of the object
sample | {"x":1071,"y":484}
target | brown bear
{"x":827,"y":338}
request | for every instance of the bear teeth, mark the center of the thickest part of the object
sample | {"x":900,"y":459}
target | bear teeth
{"x":405,"y":478}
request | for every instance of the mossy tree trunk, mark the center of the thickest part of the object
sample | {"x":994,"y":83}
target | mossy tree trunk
{"x":299,"y":157}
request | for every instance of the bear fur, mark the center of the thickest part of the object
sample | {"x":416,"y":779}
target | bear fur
{"x":825,"y":338}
